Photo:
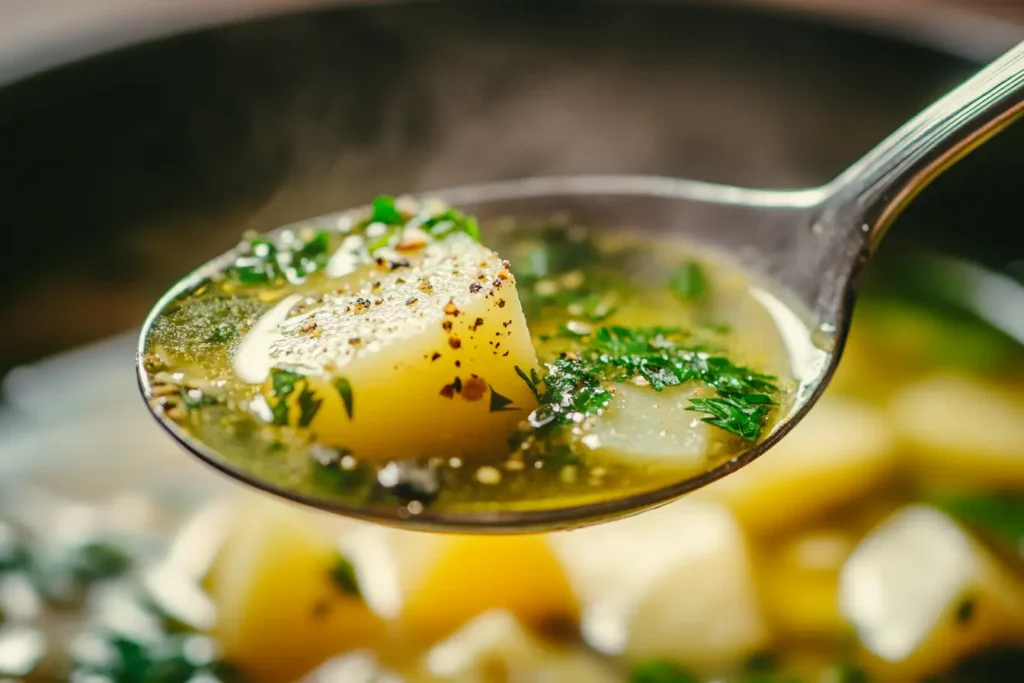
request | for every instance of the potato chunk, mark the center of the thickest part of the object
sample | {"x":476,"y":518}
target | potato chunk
{"x":420,"y":360}
{"x":674,"y":583}
{"x":962,"y":430}
{"x":840,"y":451}
{"x":280,"y":611}
{"x":495,"y":647}
{"x":923,"y":593}
{"x":450,"y":580}
{"x":654,"y":425}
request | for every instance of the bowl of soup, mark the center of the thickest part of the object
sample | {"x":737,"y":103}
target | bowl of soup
{"x":880,"y":541}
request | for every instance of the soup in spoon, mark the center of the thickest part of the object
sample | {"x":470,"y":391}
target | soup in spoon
{"x":407,"y":359}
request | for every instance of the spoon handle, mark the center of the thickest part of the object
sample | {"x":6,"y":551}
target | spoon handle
{"x":870,"y":194}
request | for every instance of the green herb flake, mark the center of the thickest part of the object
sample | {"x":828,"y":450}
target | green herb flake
{"x":532,"y":380}
{"x":283,"y":384}
{"x":384,"y":211}
{"x":659,"y":671}
{"x":343,"y":574}
{"x":344,"y":388}
{"x":309,"y":404}
{"x":690,"y":282}
{"x":579,"y":384}
{"x":1001,"y":515}
{"x":500,"y":403}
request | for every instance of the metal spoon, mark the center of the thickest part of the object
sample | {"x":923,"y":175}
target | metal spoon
{"x":811,"y":245}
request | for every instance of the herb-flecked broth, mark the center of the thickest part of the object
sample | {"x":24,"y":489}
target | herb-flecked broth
{"x":644,"y":362}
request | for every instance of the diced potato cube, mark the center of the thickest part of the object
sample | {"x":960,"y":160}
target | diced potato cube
{"x":449,"y":580}
{"x":420,"y":360}
{"x":922,"y":594}
{"x":839,"y":452}
{"x":799,"y":582}
{"x":495,"y":647}
{"x":280,"y":611}
{"x":962,"y":430}
{"x":654,"y":425}
{"x":673,"y":583}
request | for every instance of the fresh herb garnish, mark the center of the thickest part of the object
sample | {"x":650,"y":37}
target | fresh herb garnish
{"x":499,"y":403}
{"x":690,"y":282}
{"x":578,"y":383}
{"x":343,"y":574}
{"x":344,"y":388}
{"x":309,"y":404}
{"x":532,"y":380}
{"x":659,"y":671}
{"x":282,"y":384}
{"x":1002,"y":515}
{"x":437,"y":225}
{"x":267,"y":263}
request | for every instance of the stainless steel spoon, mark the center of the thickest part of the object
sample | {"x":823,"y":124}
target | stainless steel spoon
{"x":811,"y":245}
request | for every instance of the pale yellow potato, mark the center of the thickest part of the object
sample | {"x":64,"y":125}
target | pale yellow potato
{"x":279,"y":612}
{"x":962,"y":430}
{"x":428,"y":354}
{"x":673,"y":583}
{"x":799,"y":583}
{"x":496,"y":648}
{"x":923,"y":594}
{"x":446,"y":581}
{"x":643,"y":424}
{"x":841,"y":451}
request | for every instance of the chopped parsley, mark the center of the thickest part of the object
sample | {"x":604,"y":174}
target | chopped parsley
{"x":1001,"y":515}
{"x":690,"y":282}
{"x":309,"y":404}
{"x":385,"y":211}
{"x":343,"y":575}
{"x":579,"y":383}
{"x":344,"y":388}
{"x":658,"y":671}
{"x":283,"y":384}
{"x":267,"y":263}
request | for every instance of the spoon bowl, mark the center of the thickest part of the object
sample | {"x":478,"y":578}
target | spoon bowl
{"x":808,"y":246}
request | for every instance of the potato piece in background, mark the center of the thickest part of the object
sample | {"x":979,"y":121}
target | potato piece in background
{"x":281,"y":610}
{"x":923,"y":594}
{"x":841,"y":451}
{"x":799,"y":584}
{"x":674,"y":583}
{"x":962,"y":430}
{"x":496,"y":648}
{"x":449,"y":580}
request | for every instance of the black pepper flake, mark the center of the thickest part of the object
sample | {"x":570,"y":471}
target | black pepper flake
{"x":378,"y":302}
{"x":501,"y":303}
{"x":449,"y":390}
{"x":400,"y":263}
{"x":435,"y":356}
{"x":458,"y":363}
{"x":474,"y":288}
{"x":504,"y":354}
{"x":375,"y":286}
{"x":411,"y":300}
{"x":506,"y":323}
{"x":365,"y":303}
{"x":454,"y":341}
{"x":476,"y":324}
{"x":446,"y":326}
{"x":497,"y":284}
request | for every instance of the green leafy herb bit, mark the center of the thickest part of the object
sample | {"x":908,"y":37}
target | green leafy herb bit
{"x":659,"y":671}
{"x":1002,"y":515}
{"x":344,"y":388}
{"x":500,"y":403}
{"x":532,"y":380}
{"x":578,"y":384}
{"x":266,"y":263}
{"x":690,"y":282}
{"x":283,"y":384}
{"x":309,"y":404}
{"x":343,"y":574}
{"x":385,"y":211}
